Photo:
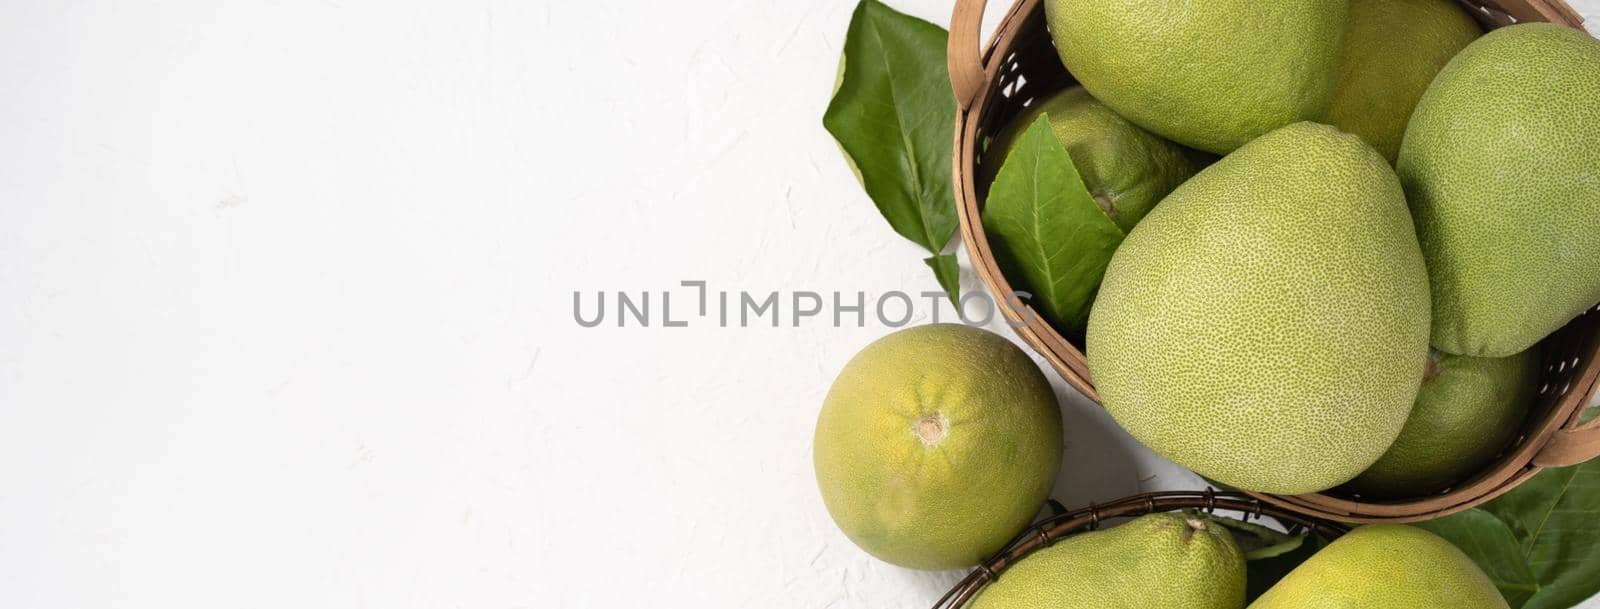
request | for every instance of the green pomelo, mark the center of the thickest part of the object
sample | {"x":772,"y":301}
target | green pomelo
{"x":1469,"y":408}
{"x":1127,"y":169}
{"x":1159,"y":561}
{"x":1501,"y":166}
{"x":1385,"y":565}
{"x":1392,"y":50}
{"x":936,"y":445}
{"x":1267,"y":324}
{"x":1210,"y":75}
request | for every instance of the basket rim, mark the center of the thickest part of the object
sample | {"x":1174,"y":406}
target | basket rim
{"x":1497,"y":478}
{"x":1060,"y":526}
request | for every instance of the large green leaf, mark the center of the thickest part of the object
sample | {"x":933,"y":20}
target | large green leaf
{"x":1539,"y":541}
{"x":1563,"y":534}
{"x":1047,"y":230}
{"x":893,"y":115}
{"x":1494,"y":547}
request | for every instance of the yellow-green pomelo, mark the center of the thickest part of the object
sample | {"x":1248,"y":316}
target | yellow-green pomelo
{"x":1267,"y":324}
{"x":1466,"y":412}
{"x":1127,"y":169}
{"x":1385,"y":565}
{"x":936,"y":445}
{"x":1159,"y":561}
{"x":1392,"y":50}
{"x":1501,"y":166}
{"x":1209,"y":75}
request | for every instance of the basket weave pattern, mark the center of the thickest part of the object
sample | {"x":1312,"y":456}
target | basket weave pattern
{"x":1020,"y":66}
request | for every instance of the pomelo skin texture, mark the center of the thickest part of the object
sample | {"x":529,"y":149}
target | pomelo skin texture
{"x":1385,"y":565}
{"x":1501,"y":166}
{"x":1159,"y":561}
{"x":1127,"y":169}
{"x":1392,"y":50}
{"x":1267,"y":324}
{"x":1467,"y":411}
{"x":936,"y":445}
{"x":1209,"y":75}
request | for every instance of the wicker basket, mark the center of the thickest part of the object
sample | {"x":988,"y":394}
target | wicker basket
{"x":1020,"y":65}
{"x":1057,"y":527}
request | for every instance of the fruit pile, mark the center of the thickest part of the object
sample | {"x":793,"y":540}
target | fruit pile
{"x":1268,"y":324}
{"x":1312,"y":245}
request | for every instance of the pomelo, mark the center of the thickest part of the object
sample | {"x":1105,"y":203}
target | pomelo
{"x":1126,"y":168}
{"x":1385,"y":565}
{"x":1159,"y":561}
{"x":1266,"y":325}
{"x":1469,"y":408}
{"x":1501,"y":166}
{"x":1392,"y":50}
{"x":1209,"y":75}
{"x":936,"y":445}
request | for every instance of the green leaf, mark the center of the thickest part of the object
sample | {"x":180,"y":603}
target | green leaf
{"x":948,"y":270}
{"x":1260,"y":542}
{"x":1559,"y":510}
{"x":893,"y":115}
{"x":1553,"y":524}
{"x":1527,"y":508}
{"x":1492,"y":545}
{"x":1047,"y":230}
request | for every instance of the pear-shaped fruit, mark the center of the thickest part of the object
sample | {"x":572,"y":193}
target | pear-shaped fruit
{"x":1267,"y":324}
{"x":1209,"y":75}
{"x":1392,"y":50}
{"x":1385,"y":565}
{"x":1159,"y":561}
{"x":1501,"y":166}
{"x":1126,"y":168}
{"x":936,"y":445}
{"x":1466,"y":412}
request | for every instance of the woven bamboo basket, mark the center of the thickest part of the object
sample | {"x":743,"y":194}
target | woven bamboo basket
{"x":1064,"y":525}
{"x":994,"y":83}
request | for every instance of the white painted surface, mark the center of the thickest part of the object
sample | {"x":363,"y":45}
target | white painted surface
{"x":286,"y":307}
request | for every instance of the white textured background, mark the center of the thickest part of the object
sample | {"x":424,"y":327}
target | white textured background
{"x":286,"y":290}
